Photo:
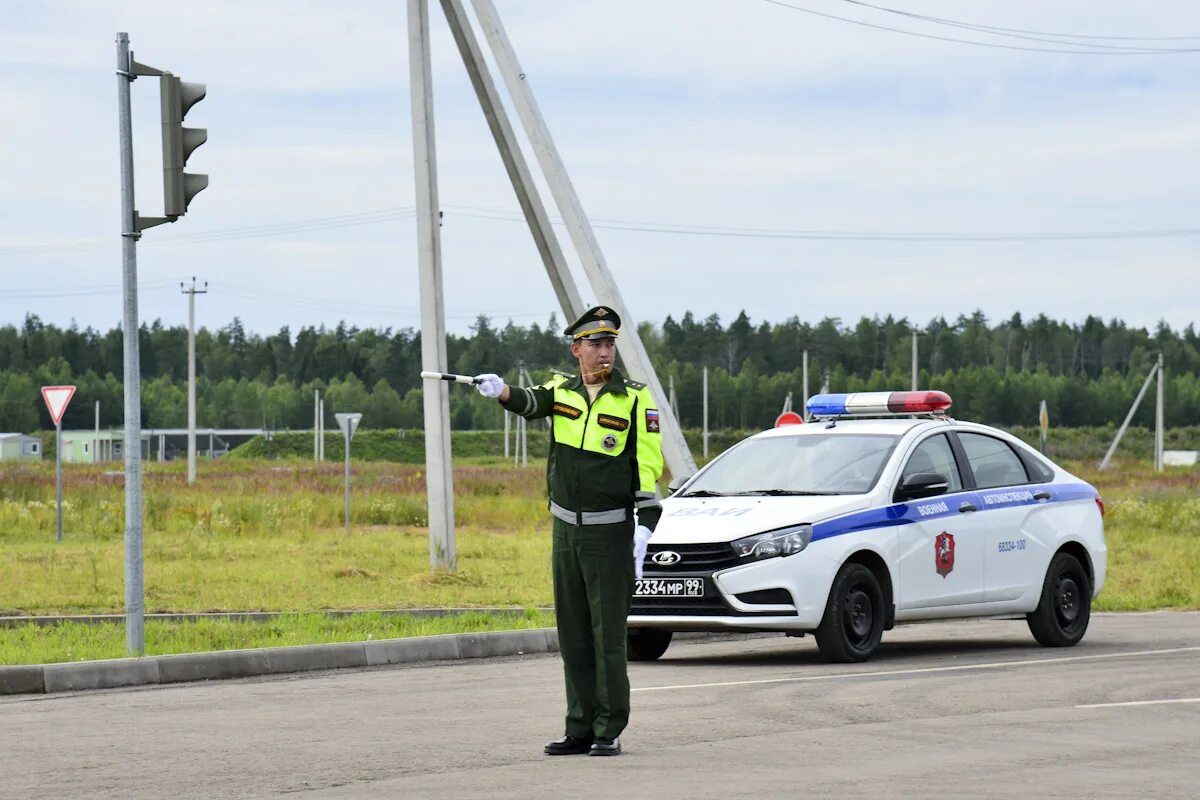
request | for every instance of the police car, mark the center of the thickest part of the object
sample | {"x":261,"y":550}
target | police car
{"x":882,"y":510}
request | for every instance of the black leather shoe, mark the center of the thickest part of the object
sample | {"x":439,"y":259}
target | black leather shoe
{"x":606,"y":747}
{"x":568,"y":746}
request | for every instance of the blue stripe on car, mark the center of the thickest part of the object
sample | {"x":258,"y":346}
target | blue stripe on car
{"x":947,"y":506}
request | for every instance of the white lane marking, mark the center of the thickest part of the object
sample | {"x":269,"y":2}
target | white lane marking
{"x":922,"y":670}
{"x":1143,"y":703}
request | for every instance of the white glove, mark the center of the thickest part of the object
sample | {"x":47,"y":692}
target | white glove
{"x":641,"y":538}
{"x":490,"y":384}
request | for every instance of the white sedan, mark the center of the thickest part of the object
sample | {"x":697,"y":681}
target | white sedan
{"x":882,"y":510}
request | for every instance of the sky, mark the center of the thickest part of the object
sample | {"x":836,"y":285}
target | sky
{"x":726,"y":118}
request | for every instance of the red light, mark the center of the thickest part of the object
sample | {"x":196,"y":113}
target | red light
{"x":1100,"y":505}
{"x":918,"y":402}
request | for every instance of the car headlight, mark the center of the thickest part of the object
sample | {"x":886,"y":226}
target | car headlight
{"x":781,"y":542}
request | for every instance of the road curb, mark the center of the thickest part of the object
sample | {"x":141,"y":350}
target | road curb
{"x":261,"y":616}
{"x":185,"y":667}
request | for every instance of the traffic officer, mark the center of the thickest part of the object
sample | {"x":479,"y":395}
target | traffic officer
{"x":603,"y":468}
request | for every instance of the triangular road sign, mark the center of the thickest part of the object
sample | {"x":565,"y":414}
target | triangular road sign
{"x":57,"y":398}
{"x":351,"y":420}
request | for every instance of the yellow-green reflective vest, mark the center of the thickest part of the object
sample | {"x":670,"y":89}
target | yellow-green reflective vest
{"x":605,"y":458}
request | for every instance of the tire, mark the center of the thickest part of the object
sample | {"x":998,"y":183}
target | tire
{"x":852,"y":625}
{"x":1062,"y":615}
{"x":647,"y":644}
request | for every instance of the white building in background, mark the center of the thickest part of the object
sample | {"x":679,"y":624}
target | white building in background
{"x":19,"y":447}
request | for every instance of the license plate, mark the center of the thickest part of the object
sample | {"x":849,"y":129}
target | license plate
{"x":669,"y":587}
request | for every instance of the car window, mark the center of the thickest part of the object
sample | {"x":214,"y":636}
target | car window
{"x":819,"y":463}
{"x":934,"y":455}
{"x":993,"y":461}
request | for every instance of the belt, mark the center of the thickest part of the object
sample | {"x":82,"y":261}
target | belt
{"x":588,"y":517}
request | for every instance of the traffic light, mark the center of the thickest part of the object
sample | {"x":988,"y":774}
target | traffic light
{"x":179,"y":187}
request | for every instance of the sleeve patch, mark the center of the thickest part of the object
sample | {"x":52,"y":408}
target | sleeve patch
{"x":566,"y":410}
{"x":652,"y":420}
{"x":614,"y":423}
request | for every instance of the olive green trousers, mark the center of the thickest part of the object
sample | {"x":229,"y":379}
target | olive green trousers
{"x":593,"y":590}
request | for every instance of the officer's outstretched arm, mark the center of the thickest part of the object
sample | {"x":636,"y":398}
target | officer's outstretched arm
{"x":532,"y":402}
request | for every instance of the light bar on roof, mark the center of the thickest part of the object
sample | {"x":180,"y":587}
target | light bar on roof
{"x":875,"y":404}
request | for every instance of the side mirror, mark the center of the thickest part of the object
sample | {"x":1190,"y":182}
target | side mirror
{"x":922,"y":484}
{"x":677,"y":484}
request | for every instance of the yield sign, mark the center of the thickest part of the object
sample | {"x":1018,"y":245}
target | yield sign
{"x":348,"y":423}
{"x":56,"y":398}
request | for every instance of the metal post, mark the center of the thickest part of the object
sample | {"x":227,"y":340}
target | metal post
{"x":804,"y":380}
{"x":914,"y":361}
{"x":316,"y":424}
{"x":191,"y":400}
{"x":346,"y":437}
{"x":1158,"y":419}
{"x":58,"y":475}
{"x":135,"y":642}
{"x":706,"y":413}
{"x":96,"y":439}
{"x":507,"y":427}
{"x":1132,"y":410}
{"x":438,"y":474}
{"x":525,"y":381}
{"x":633,"y":351}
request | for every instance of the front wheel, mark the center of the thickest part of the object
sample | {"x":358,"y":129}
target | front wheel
{"x":852,"y":625}
{"x":647,"y":644}
{"x":1061,"y":617}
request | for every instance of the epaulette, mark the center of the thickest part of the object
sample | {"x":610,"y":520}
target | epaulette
{"x":634,"y":384}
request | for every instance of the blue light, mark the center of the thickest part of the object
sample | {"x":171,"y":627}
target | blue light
{"x":827,"y":405}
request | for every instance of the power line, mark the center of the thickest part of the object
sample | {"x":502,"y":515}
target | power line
{"x":826,"y":235}
{"x":998,"y":29}
{"x":228,"y":234}
{"x":1076,"y":51}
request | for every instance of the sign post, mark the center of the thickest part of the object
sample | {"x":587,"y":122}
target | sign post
{"x":349,"y":424}
{"x":57,"y":398}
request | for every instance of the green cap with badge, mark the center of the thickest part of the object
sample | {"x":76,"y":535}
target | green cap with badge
{"x":599,"y":322}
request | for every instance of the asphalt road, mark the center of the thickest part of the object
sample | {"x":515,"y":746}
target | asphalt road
{"x":964,"y":709}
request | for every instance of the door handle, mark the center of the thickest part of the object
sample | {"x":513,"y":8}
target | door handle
{"x":1041,"y":494}
{"x":967,"y":507}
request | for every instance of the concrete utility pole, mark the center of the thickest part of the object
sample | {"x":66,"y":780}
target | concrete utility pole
{"x":673,"y":399}
{"x":191,"y":401}
{"x":1158,"y":419}
{"x":321,"y":430}
{"x":804,"y":380}
{"x":675,"y":450}
{"x":1112,"y":448}
{"x":316,"y":424}
{"x":914,"y":361}
{"x":438,"y":475}
{"x":705,"y":437}
{"x":96,"y":439}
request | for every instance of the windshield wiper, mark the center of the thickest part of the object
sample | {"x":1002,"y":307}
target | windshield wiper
{"x":704,"y":493}
{"x":782,"y":493}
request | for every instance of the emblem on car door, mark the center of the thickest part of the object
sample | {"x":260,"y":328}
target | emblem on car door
{"x":665,"y":558}
{"x":943,"y":553}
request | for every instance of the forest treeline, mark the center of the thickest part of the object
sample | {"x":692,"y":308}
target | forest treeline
{"x":1087,"y":372}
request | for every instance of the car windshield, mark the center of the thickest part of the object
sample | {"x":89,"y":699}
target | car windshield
{"x":811,"y":464}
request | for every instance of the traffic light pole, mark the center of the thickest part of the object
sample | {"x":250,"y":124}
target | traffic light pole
{"x":135,"y":642}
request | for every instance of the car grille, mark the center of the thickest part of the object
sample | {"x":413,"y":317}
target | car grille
{"x":694,"y":558}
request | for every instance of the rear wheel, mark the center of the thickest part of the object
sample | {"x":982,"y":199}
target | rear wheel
{"x":647,"y":644}
{"x":1062,"y":615}
{"x":852,"y":625}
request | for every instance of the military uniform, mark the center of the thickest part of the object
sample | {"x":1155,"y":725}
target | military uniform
{"x":604,"y":464}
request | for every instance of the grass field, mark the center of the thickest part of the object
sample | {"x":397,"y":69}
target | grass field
{"x":267,"y":535}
